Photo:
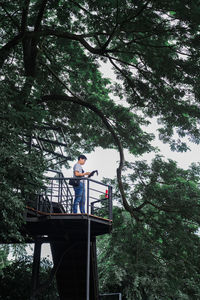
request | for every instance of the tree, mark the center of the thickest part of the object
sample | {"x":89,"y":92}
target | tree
{"x":4,"y":251}
{"x":21,"y":170}
{"x":18,"y":276}
{"x":50,"y":56}
{"x":156,"y":257}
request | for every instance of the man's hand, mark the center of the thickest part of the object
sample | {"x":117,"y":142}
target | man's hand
{"x":92,"y":173}
{"x":86,"y":173}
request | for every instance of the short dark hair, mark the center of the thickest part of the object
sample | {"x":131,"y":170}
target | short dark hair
{"x":82,"y":156}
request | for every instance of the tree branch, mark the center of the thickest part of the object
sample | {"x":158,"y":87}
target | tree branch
{"x":5,"y":50}
{"x":75,"y":37}
{"x":110,"y":37}
{"x":24,"y":16}
{"x":141,"y":206}
{"x":161,"y":207}
{"x":40,"y":15}
{"x":124,"y":75}
{"x":136,"y":15}
{"x":85,"y":10}
{"x":78,"y":100}
{"x":10,"y":16}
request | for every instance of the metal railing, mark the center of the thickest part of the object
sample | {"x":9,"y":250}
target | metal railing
{"x":58,"y":196}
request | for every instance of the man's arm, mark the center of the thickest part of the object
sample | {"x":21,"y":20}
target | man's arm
{"x":77,"y":173}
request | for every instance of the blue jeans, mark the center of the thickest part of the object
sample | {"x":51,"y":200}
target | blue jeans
{"x":79,"y":198}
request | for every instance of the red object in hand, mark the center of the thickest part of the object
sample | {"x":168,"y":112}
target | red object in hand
{"x":106,"y":195}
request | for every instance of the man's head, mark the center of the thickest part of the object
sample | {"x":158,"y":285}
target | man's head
{"x":82,"y":159}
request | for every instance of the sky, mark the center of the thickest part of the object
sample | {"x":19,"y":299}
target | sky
{"x":106,"y":160}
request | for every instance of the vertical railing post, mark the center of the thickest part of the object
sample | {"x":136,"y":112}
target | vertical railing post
{"x":72,"y":203}
{"x":58,"y":191}
{"x":67,"y":204}
{"x":61,"y":190}
{"x":88,"y":195}
{"x":51,"y":196}
{"x":92,"y":208}
{"x":72,"y":199}
{"x":110,"y":202}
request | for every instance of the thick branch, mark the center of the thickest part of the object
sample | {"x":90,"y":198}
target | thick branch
{"x":75,"y":37}
{"x":30,"y":43}
{"x":40,"y":15}
{"x":140,"y":206}
{"x":110,"y":37}
{"x":24,"y":16}
{"x":5,"y":50}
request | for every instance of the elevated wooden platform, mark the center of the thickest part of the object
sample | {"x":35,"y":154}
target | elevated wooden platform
{"x":61,"y":226}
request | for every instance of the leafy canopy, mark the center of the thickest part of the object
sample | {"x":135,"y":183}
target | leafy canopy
{"x":50,"y":58}
{"x":155,"y":255}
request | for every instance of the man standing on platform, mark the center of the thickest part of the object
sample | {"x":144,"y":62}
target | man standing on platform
{"x":80,"y":189}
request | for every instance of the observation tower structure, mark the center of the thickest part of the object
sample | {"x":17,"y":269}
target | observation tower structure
{"x":72,"y":237}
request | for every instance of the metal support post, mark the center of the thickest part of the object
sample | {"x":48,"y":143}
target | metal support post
{"x":59,"y":187}
{"x":51,"y":196}
{"x":88,"y":263}
{"x":35,"y":268}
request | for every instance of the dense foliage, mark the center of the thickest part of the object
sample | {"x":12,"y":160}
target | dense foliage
{"x":4,"y":251}
{"x":18,"y":276}
{"x":51,"y":54}
{"x":50,"y":57}
{"x":156,"y":257}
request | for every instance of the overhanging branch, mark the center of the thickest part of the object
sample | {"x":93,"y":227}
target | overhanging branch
{"x":77,"y":100}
